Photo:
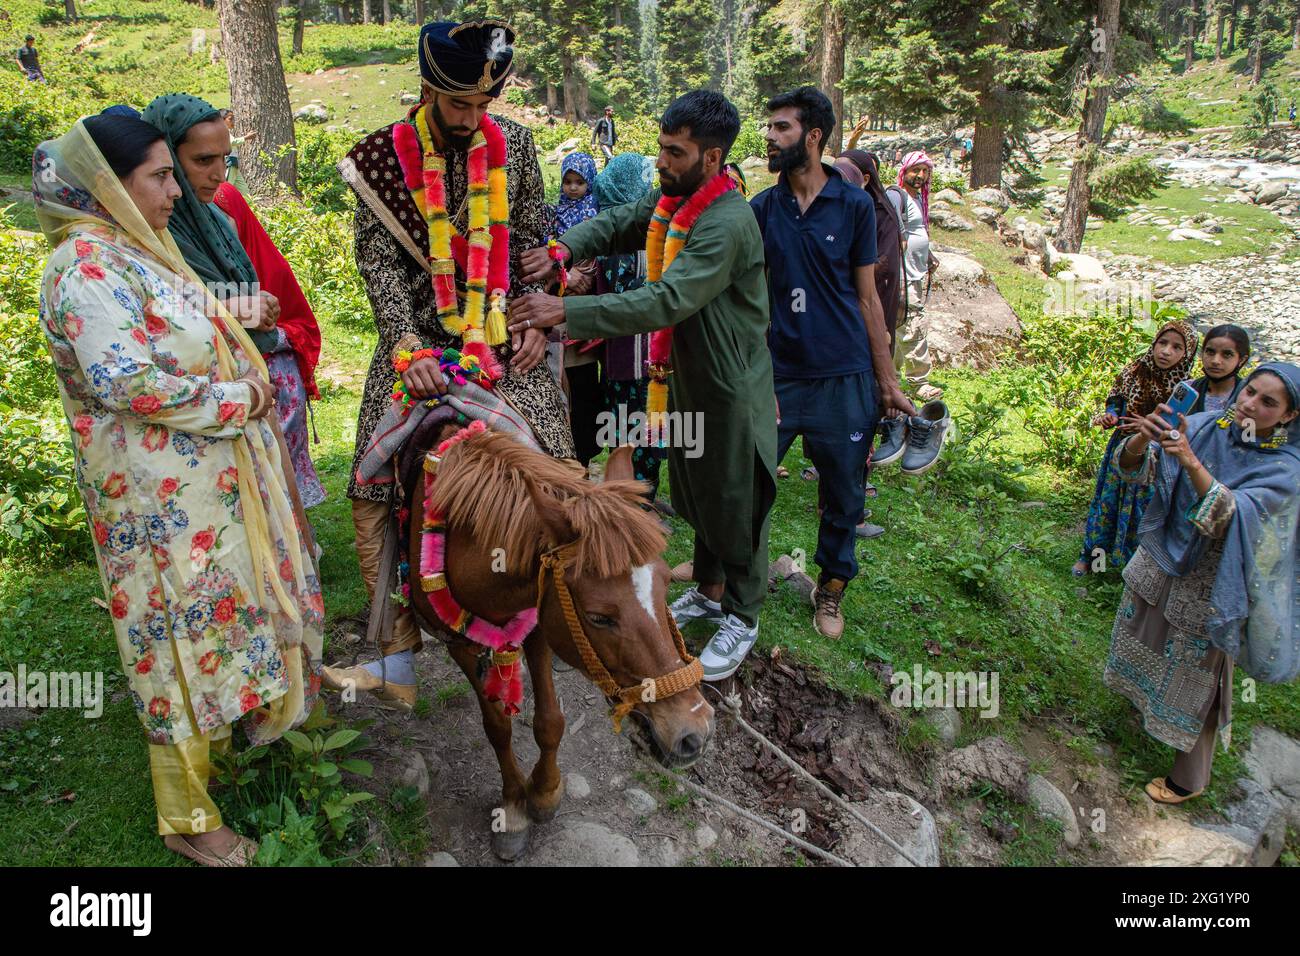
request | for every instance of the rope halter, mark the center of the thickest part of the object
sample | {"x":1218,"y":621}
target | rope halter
{"x":620,"y":699}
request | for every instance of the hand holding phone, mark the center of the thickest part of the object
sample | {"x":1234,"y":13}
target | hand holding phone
{"x":1180,"y":403}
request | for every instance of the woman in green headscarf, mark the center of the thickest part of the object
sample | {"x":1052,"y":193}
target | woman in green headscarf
{"x":199,"y":140}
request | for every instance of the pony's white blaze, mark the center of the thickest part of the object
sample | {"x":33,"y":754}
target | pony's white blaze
{"x":643,"y":583}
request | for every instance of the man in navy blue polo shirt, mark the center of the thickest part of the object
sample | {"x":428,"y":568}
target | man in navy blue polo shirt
{"x":830,"y":350}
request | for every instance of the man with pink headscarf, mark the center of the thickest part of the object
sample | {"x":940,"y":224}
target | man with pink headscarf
{"x":911,"y":352}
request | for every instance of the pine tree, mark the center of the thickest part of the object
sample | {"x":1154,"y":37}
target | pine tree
{"x":685,"y":30}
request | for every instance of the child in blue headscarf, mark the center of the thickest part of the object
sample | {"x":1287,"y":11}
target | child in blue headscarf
{"x":1214,"y":581}
{"x":577,"y":193}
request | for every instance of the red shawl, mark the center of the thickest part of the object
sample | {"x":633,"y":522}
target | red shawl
{"x":276,"y":277}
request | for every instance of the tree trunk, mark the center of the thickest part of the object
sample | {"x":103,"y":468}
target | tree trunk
{"x":258,"y":94}
{"x":299,"y":24}
{"x":986,"y":154}
{"x":1074,"y":216}
{"x":833,"y":69}
{"x":1189,"y":42}
{"x":365,"y":11}
{"x":1218,"y":37}
{"x":388,"y":12}
{"x":570,"y":87}
{"x":584,"y":95}
{"x":70,"y":10}
{"x":1295,"y":27}
{"x":552,"y":98}
{"x":419,"y":13}
{"x":1232,"y":30}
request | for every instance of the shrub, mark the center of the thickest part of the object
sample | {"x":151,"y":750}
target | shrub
{"x":1066,"y":368}
{"x":29,"y":114}
{"x":547,"y":138}
{"x":41,"y":512}
{"x":319,"y":246}
{"x":1120,"y":184}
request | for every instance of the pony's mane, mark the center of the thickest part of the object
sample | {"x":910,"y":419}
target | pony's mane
{"x":482,"y":486}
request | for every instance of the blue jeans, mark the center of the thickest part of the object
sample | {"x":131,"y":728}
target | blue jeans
{"x":837,"y":418}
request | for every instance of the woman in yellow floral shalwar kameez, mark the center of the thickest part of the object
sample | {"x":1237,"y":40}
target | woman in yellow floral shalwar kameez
{"x":215,"y":602}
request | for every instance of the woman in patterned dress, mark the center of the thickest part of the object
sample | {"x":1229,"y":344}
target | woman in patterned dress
{"x":215,"y":603}
{"x":1214,"y":580}
{"x":1111,"y":534}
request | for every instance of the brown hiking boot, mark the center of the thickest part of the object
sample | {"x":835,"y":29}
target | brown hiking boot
{"x":828,"y":620}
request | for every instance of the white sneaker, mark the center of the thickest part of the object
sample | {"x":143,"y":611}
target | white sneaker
{"x":694,"y":606}
{"x":724,"y":654}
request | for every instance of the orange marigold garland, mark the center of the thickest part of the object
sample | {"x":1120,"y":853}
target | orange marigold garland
{"x":484,"y":255}
{"x":669,"y":226}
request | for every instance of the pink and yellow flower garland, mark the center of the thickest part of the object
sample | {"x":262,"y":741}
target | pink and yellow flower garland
{"x":484,"y":255}
{"x":504,"y":681}
{"x":669,"y":226}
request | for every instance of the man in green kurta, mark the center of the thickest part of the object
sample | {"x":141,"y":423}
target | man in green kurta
{"x":714,"y":294}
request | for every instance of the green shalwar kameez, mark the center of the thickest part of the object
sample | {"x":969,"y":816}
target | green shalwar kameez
{"x":715,"y":294}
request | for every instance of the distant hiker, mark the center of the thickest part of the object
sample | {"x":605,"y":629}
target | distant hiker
{"x":604,"y":135}
{"x":911,"y":351}
{"x":1291,"y":113}
{"x":30,"y":62}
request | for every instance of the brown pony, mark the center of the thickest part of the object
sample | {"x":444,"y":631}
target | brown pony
{"x":499,"y":494}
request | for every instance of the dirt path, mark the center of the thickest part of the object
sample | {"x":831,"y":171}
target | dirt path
{"x":616,"y":811}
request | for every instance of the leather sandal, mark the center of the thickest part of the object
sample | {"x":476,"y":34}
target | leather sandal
{"x":1158,"y":790}
{"x":241,"y":854}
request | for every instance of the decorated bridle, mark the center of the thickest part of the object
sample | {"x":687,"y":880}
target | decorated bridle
{"x":502,"y":643}
{"x":620,"y":699}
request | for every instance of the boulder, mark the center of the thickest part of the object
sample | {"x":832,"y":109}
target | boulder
{"x":576,"y":786}
{"x":753,"y":162}
{"x":907,"y":823}
{"x":584,"y":843}
{"x":947,"y":724}
{"x":945,"y":218}
{"x":986,"y":214}
{"x":1034,"y":238}
{"x":1182,"y":235}
{"x":1084,"y":268}
{"x":441,"y":858}
{"x":947,"y":195}
{"x":967,"y":321}
{"x":312,"y":113}
{"x":1270,"y":193}
{"x":1054,"y":805}
{"x":1273,"y":762}
{"x":990,"y":196}
{"x":991,"y":760}
{"x":1257,"y":820}
{"x":640,"y":802}
{"x":1174,"y":842}
{"x":408,"y":99}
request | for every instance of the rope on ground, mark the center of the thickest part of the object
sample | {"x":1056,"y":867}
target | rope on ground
{"x":730,"y":705}
{"x":742,"y":812}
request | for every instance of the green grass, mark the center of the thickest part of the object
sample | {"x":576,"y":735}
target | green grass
{"x":1194,"y":95}
{"x":1247,"y":229}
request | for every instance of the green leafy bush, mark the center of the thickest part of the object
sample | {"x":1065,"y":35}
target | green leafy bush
{"x":1120,"y":184}
{"x":293,"y":793}
{"x":547,"y":138}
{"x":1064,"y":373}
{"x":29,"y":114}
{"x":318,"y":244}
{"x":41,"y":512}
